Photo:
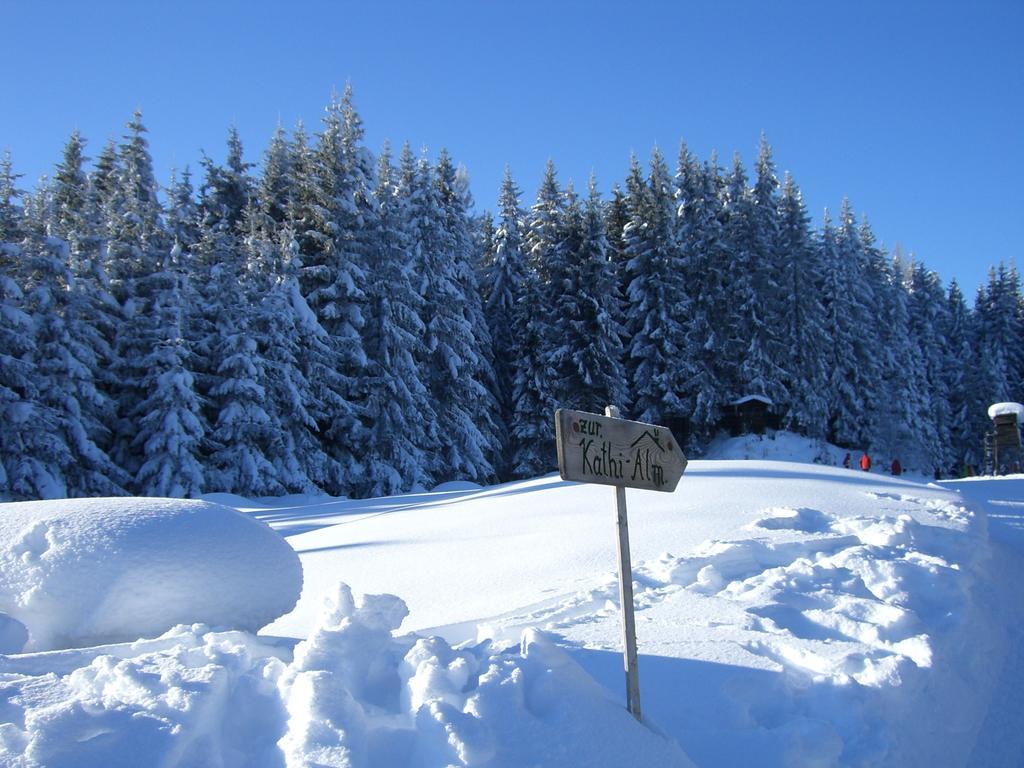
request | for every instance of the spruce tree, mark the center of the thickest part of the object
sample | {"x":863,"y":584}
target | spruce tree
{"x":232,"y":373}
{"x":326,"y":277}
{"x":588,"y":362}
{"x":927,"y":323}
{"x":284,"y":328}
{"x":802,"y":322}
{"x":399,"y":418}
{"x":167,"y":422}
{"x":503,"y":286}
{"x":71,"y":280}
{"x":31,"y":452}
{"x":456,"y":366}
{"x":657,"y":304}
{"x":534,"y":399}
{"x":750,"y":364}
{"x":898,"y":419}
{"x":703,"y":268}
{"x":65,"y":373}
{"x":853,"y":385}
{"x":135,"y":247}
{"x":960,"y":370}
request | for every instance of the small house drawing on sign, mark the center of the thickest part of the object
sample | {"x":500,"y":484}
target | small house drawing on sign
{"x":649,"y":439}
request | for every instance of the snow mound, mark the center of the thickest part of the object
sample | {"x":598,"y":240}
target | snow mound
{"x":86,"y":571}
{"x":357,"y":696}
{"x":353,"y":695}
{"x":190,"y":698}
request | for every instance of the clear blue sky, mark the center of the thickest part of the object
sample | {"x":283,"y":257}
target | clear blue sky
{"x":914,"y":110}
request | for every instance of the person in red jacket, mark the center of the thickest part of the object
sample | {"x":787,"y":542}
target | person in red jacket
{"x":865,"y":462}
{"x":897,"y":468}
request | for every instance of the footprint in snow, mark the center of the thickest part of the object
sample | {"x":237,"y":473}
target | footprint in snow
{"x":788,"y":519}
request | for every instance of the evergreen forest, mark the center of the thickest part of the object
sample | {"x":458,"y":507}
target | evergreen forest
{"x":344,"y":321}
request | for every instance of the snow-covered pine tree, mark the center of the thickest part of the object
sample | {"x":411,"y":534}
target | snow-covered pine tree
{"x":703,"y":269}
{"x":60,"y":376}
{"x":334,"y":218}
{"x":766,"y":360}
{"x":483,"y":247}
{"x":103,"y":183}
{"x":67,"y":216}
{"x":232,"y":373}
{"x":959,"y":370}
{"x":240,"y":453}
{"x":284,"y":329}
{"x":267,"y":211}
{"x":136,"y":249}
{"x":750,"y":338}
{"x":840,"y":388}
{"x":587,"y":360}
{"x":997,"y":334}
{"x":899,"y":418}
{"x":65,"y":370}
{"x":134,"y":227}
{"x":533,"y":396}
{"x":312,"y":232}
{"x":31,"y":452}
{"x":182,"y":215}
{"x":399,"y":418}
{"x":853,"y":385}
{"x":85,"y":319}
{"x":562,"y":269}
{"x":657,"y":305}
{"x":457,"y":373}
{"x":503,"y":284}
{"x":802,"y":322}
{"x":616,"y":217}
{"x":274,"y":188}
{"x":102,"y":187}
{"x":927,"y":323}
{"x":11,"y":216}
{"x":227,"y":188}
{"x":167,"y":421}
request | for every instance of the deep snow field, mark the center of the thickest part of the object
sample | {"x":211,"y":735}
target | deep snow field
{"x":788,"y":614}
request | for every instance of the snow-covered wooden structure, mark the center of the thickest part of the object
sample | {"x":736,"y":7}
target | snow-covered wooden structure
{"x":750,"y":414}
{"x":1006,"y":420}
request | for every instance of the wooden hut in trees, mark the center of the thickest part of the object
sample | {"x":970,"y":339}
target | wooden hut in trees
{"x":749,"y":414}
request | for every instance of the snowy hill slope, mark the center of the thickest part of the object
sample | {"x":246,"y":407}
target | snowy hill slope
{"x":828,"y":588}
{"x":787,"y":614}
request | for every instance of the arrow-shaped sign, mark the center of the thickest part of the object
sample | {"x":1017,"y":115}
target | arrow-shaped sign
{"x":600,"y":449}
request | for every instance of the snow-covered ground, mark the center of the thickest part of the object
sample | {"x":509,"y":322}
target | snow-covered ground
{"x":788,"y":613}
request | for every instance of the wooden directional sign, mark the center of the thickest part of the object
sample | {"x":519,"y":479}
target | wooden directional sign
{"x":630,"y":454}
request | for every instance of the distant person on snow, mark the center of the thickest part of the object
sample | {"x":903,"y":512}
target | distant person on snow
{"x":846,"y":460}
{"x":865,"y":462}
{"x":897,"y":468}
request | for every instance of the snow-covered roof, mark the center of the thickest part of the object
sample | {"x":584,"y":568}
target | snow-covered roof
{"x":749,"y":398}
{"x":1004,"y":409}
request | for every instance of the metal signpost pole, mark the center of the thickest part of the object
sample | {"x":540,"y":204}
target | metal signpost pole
{"x":626,"y":597}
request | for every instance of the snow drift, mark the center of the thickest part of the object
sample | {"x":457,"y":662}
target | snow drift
{"x":810,"y":616}
{"x":88,"y":571}
{"x":354,"y":695}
